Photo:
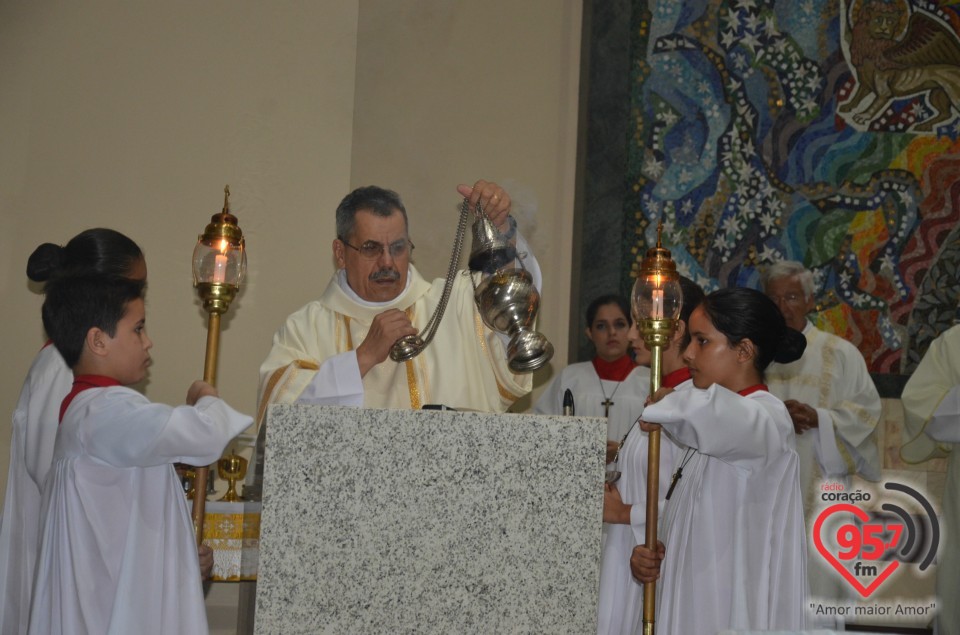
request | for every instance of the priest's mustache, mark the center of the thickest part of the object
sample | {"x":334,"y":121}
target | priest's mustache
{"x":385,"y":274}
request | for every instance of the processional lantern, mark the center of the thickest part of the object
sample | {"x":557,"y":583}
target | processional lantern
{"x":219,"y":264}
{"x":657,"y":300}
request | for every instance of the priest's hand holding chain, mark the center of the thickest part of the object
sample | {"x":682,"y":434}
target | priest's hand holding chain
{"x":385,"y":329}
{"x":205,"y":558}
{"x":493,"y":199}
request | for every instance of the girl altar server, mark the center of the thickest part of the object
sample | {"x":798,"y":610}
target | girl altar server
{"x":611,"y":385}
{"x":732,"y":554}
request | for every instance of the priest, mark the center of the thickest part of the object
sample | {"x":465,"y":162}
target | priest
{"x":834,"y":406}
{"x":931,"y":405}
{"x":335,"y":350}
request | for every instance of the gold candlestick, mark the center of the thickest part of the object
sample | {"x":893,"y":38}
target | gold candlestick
{"x":657,"y":299}
{"x":219,"y":263}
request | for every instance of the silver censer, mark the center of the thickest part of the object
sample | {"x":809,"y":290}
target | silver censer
{"x":506,"y":297}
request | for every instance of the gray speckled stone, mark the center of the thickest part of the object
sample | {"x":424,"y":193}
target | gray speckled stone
{"x":400,"y":521}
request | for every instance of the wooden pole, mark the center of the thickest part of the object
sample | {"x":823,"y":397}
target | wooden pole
{"x":653,"y":492}
{"x":203,"y":471}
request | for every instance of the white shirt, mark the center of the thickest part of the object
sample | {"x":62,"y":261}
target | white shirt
{"x":831,"y":377}
{"x":35,"y":423}
{"x":117,"y":552}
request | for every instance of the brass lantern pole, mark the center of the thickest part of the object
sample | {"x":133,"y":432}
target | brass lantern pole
{"x":219,"y":263}
{"x":657,"y":299}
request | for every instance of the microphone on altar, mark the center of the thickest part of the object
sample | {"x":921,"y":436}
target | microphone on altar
{"x":568,"y":408}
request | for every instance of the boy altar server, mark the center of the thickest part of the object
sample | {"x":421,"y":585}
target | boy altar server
{"x":117,"y":551}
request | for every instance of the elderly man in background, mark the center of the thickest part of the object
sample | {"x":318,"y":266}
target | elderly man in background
{"x":335,"y":350}
{"x":834,"y":405}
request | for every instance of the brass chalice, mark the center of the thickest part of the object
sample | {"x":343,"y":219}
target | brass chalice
{"x":232,"y":468}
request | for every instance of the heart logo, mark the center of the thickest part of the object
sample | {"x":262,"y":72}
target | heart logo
{"x":843,"y":508}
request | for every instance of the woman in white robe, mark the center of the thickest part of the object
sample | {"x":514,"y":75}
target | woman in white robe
{"x":611,"y":385}
{"x":732,"y":553}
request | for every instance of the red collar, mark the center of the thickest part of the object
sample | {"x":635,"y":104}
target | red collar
{"x":617,"y":370}
{"x":676,"y":378}
{"x":752,"y":389}
{"x":85,"y":382}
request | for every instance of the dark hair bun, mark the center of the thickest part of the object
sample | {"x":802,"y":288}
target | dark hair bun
{"x":790,"y":347}
{"x":44,"y":262}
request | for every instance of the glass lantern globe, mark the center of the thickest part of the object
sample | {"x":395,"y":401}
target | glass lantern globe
{"x":219,"y":260}
{"x":657,"y":296}
{"x":656,"y":293}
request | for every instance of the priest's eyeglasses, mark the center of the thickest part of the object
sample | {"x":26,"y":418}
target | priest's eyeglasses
{"x":372,"y":250}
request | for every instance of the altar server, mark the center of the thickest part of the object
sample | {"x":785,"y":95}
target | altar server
{"x":624,"y":501}
{"x":100,"y":252}
{"x":610,"y":385}
{"x":732,"y":544}
{"x":117,"y":548}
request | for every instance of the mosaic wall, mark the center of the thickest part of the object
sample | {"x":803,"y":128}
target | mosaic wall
{"x":820,"y":131}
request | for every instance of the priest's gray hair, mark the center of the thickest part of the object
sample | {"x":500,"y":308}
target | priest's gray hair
{"x":789,"y":269}
{"x":378,"y":200}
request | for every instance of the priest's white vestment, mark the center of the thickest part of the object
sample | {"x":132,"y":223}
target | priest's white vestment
{"x":733,"y":528}
{"x":35,"y":423}
{"x":313,"y":358}
{"x":831,"y":377}
{"x":931,"y":403}
{"x":117,"y":550}
{"x":628,"y":396}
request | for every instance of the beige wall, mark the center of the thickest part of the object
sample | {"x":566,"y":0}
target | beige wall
{"x":449,"y":93}
{"x":134,"y":116}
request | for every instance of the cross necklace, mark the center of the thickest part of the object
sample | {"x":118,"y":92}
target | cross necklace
{"x":607,"y":401}
{"x":690,"y":452}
